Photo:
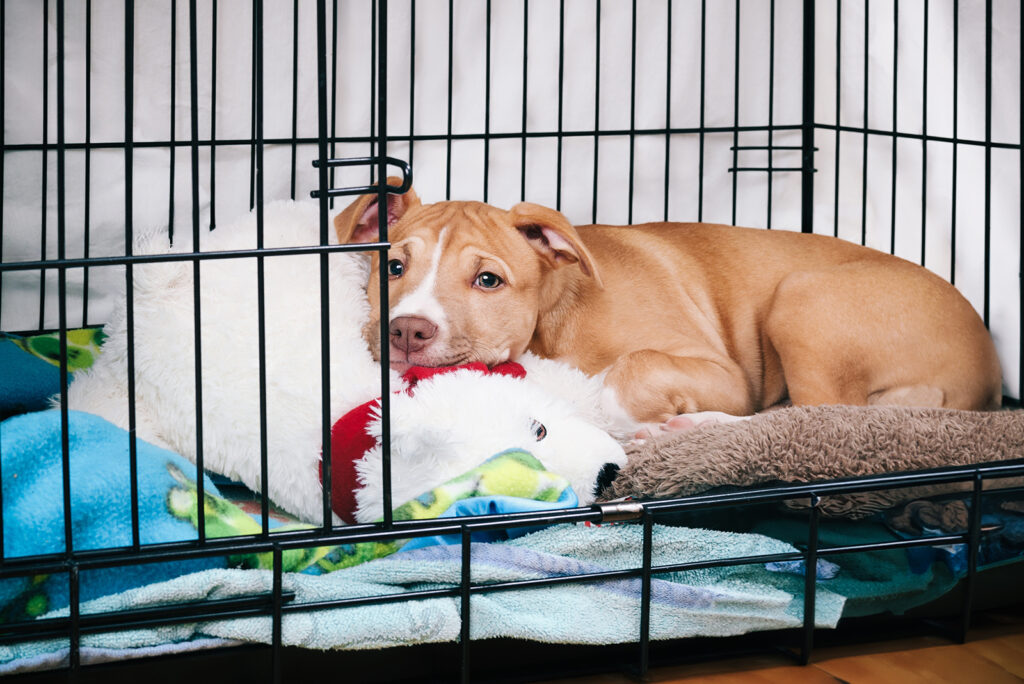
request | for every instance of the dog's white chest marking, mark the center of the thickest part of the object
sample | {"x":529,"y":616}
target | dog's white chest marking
{"x":423,"y":301}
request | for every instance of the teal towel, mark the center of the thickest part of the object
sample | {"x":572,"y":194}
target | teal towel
{"x":872,"y":581}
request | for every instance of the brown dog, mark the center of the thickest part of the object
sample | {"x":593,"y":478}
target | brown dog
{"x":683,"y":317}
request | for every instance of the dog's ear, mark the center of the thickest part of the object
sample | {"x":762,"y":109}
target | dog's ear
{"x":553,"y":237}
{"x":358,"y":222}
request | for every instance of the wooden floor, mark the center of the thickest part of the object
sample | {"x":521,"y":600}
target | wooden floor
{"x":994,"y":653}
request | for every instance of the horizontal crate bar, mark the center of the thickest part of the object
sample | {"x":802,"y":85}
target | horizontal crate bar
{"x":937,"y":540}
{"x":92,"y":262}
{"x":919,"y":136}
{"x":398,"y":137}
{"x":768,"y":147}
{"x":260,"y":605}
{"x":510,"y":135}
{"x":55,"y":628}
{"x":773,"y":169}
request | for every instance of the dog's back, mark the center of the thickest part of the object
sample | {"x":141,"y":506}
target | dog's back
{"x":806,"y":317}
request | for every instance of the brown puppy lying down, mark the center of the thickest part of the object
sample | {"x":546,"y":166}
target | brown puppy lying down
{"x":680,"y":317}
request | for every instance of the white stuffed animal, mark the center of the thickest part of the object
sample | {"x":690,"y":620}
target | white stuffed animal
{"x":164,"y":339}
{"x":452,"y":422}
{"x":446,"y":428}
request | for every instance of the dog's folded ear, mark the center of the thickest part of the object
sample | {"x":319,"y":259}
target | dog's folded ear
{"x":553,"y":237}
{"x":358,"y":222}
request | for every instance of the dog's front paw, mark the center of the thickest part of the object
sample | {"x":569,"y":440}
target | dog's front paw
{"x":684,"y":422}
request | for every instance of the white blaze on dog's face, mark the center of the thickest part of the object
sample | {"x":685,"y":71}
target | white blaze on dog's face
{"x":465,"y":279}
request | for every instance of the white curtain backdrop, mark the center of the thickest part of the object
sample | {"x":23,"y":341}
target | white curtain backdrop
{"x":562,"y":57}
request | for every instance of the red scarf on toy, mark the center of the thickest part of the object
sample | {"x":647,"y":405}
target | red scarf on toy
{"x":349,"y":439}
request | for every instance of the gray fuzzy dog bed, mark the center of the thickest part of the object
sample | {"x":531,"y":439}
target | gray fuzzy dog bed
{"x":806,"y":444}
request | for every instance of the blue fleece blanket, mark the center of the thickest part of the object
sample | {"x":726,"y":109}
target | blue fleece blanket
{"x":31,"y":466}
{"x":32,"y":470}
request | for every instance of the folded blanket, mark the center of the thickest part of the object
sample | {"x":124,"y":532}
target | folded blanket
{"x":510,"y":482}
{"x":1001,"y":519}
{"x":806,"y":444}
{"x":30,"y":367}
{"x":880,"y":581}
{"x":718,"y":601}
{"x":33,"y":508}
{"x":83,"y":346}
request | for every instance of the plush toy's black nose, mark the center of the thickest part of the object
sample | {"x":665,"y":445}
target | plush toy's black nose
{"x":604,"y":478}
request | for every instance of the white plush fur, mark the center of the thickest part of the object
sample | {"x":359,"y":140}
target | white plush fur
{"x":165,"y":363}
{"x":449,"y":426}
{"x":585,"y":393}
{"x":454,"y":421}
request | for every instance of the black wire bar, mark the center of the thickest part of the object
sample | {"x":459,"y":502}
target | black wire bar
{"x":735,"y":103}
{"x":65,"y":431}
{"x":129,"y":208}
{"x":3,"y":157}
{"x":808,"y":128}
{"x":3,"y":149}
{"x":382,"y":232}
{"x":196,"y":275}
{"x":213,"y":114}
{"x":324,"y":181}
{"x":515,"y":135}
{"x":133,"y":259}
{"x":261,"y":298}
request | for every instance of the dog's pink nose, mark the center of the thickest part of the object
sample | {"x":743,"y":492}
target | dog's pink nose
{"x":412,"y":333}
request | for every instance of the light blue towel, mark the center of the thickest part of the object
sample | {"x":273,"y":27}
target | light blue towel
{"x":713,"y":602}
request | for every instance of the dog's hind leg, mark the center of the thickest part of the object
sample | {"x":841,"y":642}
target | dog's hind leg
{"x":925,"y":396}
{"x":862,"y":333}
{"x":826,"y":345}
{"x":655,"y":387}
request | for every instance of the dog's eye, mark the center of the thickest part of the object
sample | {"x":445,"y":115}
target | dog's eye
{"x":539,"y":431}
{"x":396,"y":268}
{"x":488,"y":280}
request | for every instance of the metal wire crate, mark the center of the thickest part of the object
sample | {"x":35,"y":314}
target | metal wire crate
{"x":896,"y":125}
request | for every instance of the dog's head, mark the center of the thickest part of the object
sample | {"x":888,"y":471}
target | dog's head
{"x":466,"y":280}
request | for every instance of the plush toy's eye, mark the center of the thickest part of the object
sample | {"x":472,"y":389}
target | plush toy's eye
{"x":396,"y":269}
{"x":488,"y":280}
{"x":539,"y":431}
